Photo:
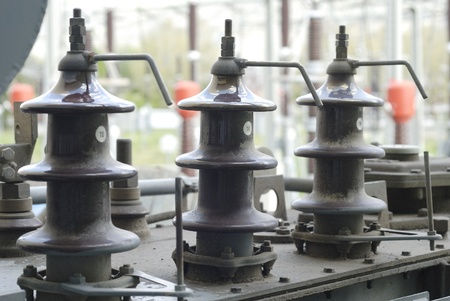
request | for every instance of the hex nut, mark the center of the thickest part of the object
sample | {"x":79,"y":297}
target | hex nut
{"x":282,"y":230}
{"x":406,"y":253}
{"x":7,"y":154}
{"x":284,"y":280}
{"x":227,"y":253}
{"x":30,"y":271}
{"x":77,"y":278}
{"x":236,"y":290}
{"x":422,"y":212}
{"x":328,"y":270}
{"x":369,"y":260}
{"x":14,"y":190}
{"x":440,"y":246}
{"x":8,"y":173}
{"x":126,"y":269}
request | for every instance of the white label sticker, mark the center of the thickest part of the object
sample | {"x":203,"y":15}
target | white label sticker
{"x":247,"y":128}
{"x":359,"y":124}
{"x":100,"y":134}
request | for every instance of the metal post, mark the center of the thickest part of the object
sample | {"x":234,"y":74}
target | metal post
{"x":429,"y":198}
{"x":110,"y":30}
{"x":314,"y":56}
{"x":193,"y":38}
{"x":268,"y":82}
{"x":179,"y":187}
{"x":417,"y":62}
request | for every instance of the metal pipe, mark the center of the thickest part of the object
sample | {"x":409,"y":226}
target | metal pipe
{"x":179,"y":195}
{"x":139,"y":57}
{"x":289,"y":65}
{"x":429,"y":198}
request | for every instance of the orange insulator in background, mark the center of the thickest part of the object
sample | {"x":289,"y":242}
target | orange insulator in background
{"x":20,"y":92}
{"x":184,"y":89}
{"x":402,"y":95}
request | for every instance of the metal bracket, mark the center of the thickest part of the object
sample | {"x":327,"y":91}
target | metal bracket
{"x":123,"y":285}
{"x":14,"y":156}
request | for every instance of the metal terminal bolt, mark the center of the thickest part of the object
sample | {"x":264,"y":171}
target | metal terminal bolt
{"x":369,"y":260}
{"x":328,"y":270}
{"x":406,"y":253}
{"x":416,"y":170}
{"x":126,"y":269}
{"x":440,"y":246}
{"x":236,"y":290}
{"x":284,"y":280}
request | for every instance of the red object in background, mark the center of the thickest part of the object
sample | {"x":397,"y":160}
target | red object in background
{"x":20,"y":92}
{"x":402,"y":95}
{"x":184,"y":89}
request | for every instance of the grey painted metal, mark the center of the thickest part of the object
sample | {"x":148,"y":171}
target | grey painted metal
{"x":423,"y":296}
{"x":20,"y":22}
{"x":127,"y":210}
{"x":12,"y":296}
{"x":16,"y":217}
{"x":351,"y":274}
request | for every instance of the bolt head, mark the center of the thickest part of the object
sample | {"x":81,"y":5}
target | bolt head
{"x":282,"y":230}
{"x":406,"y":253}
{"x":422,"y":212}
{"x":415,"y":171}
{"x":126,"y":269}
{"x":236,"y":290}
{"x":440,"y":246}
{"x":7,"y":154}
{"x":328,"y":270}
{"x":369,"y":260}
{"x":30,"y":271}
{"x":77,"y":278}
{"x":227,"y":253}
{"x":284,"y":280}
{"x":8,"y":173}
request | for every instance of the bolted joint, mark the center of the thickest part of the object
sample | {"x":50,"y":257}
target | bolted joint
{"x":301,"y":227}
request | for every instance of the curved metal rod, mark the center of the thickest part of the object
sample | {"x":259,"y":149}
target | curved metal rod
{"x":390,"y":63}
{"x":287,"y":65}
{"x":139,"y":57}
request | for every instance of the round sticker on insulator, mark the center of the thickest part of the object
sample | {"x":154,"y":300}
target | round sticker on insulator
{"x":359,"y":124}
{"x":247,"y":129}
{"x":100,"y":134}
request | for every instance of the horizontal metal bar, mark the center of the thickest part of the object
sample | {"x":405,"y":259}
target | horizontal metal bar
{"x":148,"y":188}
